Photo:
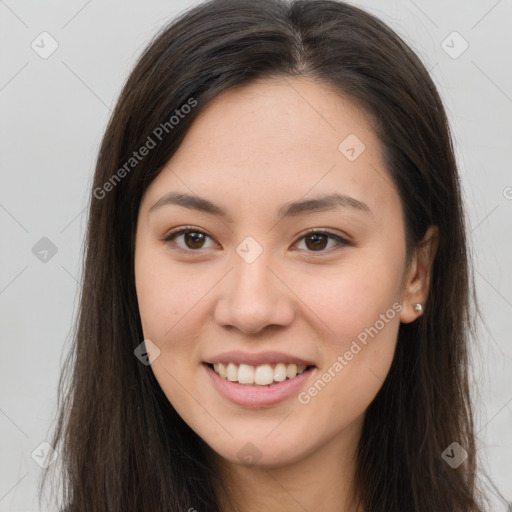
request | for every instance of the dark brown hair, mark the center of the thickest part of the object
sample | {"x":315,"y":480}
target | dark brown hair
{"x":123,"y":447}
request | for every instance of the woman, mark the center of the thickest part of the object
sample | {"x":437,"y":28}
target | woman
{"x":275,"y":309}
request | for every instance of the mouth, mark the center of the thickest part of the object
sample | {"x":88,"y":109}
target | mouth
{"x":265,"y":375}
{"x":255,"y":387}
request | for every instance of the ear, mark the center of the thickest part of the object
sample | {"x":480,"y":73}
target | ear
{"x":416,"y":287}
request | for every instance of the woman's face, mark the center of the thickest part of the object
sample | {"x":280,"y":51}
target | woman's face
{"x":248,"y":287}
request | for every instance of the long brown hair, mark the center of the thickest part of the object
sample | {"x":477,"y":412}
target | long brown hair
{"x":123,"y":447}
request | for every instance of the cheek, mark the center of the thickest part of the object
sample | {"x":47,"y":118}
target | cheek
{"x":157,"y":292}
{"x":169,"y":304}
{"x":355,"y":367}
{"x":350,"y":297}
{"x":357,"y":308}
{"x":166,"y":293}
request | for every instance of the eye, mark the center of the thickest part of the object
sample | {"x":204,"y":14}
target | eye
{"x":316,"y":240}
{"x":194,"y":240}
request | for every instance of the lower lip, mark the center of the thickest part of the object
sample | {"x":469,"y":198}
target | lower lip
{"x":253,"y":396}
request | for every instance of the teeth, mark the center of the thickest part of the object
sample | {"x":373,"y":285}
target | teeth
{"x":280,"y":372}
{"x":262,"y":375}
{"x":291,"y":371}
{"x":232,"y":372}
{"x":246,"y":374}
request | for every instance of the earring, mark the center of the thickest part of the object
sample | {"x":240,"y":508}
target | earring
{"x":418,"y":307}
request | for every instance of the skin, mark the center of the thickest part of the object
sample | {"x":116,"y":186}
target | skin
{"x":250,"y":151}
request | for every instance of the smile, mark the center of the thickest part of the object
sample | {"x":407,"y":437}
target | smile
{"x":262,"y":375}
{"x":250,"y":394}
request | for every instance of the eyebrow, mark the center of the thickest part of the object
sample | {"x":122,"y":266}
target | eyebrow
{"x":291,"y":209}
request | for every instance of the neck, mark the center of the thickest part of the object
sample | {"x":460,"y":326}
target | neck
{"x":321,"y":480}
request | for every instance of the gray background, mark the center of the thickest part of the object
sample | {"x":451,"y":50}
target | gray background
{"x":54,"y":112}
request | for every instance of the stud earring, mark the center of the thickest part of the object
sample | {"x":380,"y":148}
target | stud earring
{"x":418,"y":307}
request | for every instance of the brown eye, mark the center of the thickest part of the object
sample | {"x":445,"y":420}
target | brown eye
{"x":318,"y":241}
{"x":193,"y":239}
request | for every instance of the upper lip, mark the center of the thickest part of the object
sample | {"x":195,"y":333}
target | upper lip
{"x":257,"y":359}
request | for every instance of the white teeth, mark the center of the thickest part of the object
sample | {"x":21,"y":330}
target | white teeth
{"x":291,"y":371}
{"x":246,"y":374}
{"x":262,"y":375}
{"x":232,"y":372}
{"x":280,"y":372}
{"x":221,"y":370}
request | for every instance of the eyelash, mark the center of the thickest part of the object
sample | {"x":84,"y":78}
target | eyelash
{"x":190,"y":229}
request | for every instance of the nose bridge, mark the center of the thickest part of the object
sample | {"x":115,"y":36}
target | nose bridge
{"x":253,"y":296}
{"x":252,"y":277}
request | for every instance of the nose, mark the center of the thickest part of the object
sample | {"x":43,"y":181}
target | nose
{"x":254,"y":297}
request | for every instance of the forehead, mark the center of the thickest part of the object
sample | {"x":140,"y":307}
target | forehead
{"x":272,"y":116}
{"x":278,"y":139}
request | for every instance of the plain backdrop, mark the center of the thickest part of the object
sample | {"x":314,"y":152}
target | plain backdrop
{"x":53,"y":114}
